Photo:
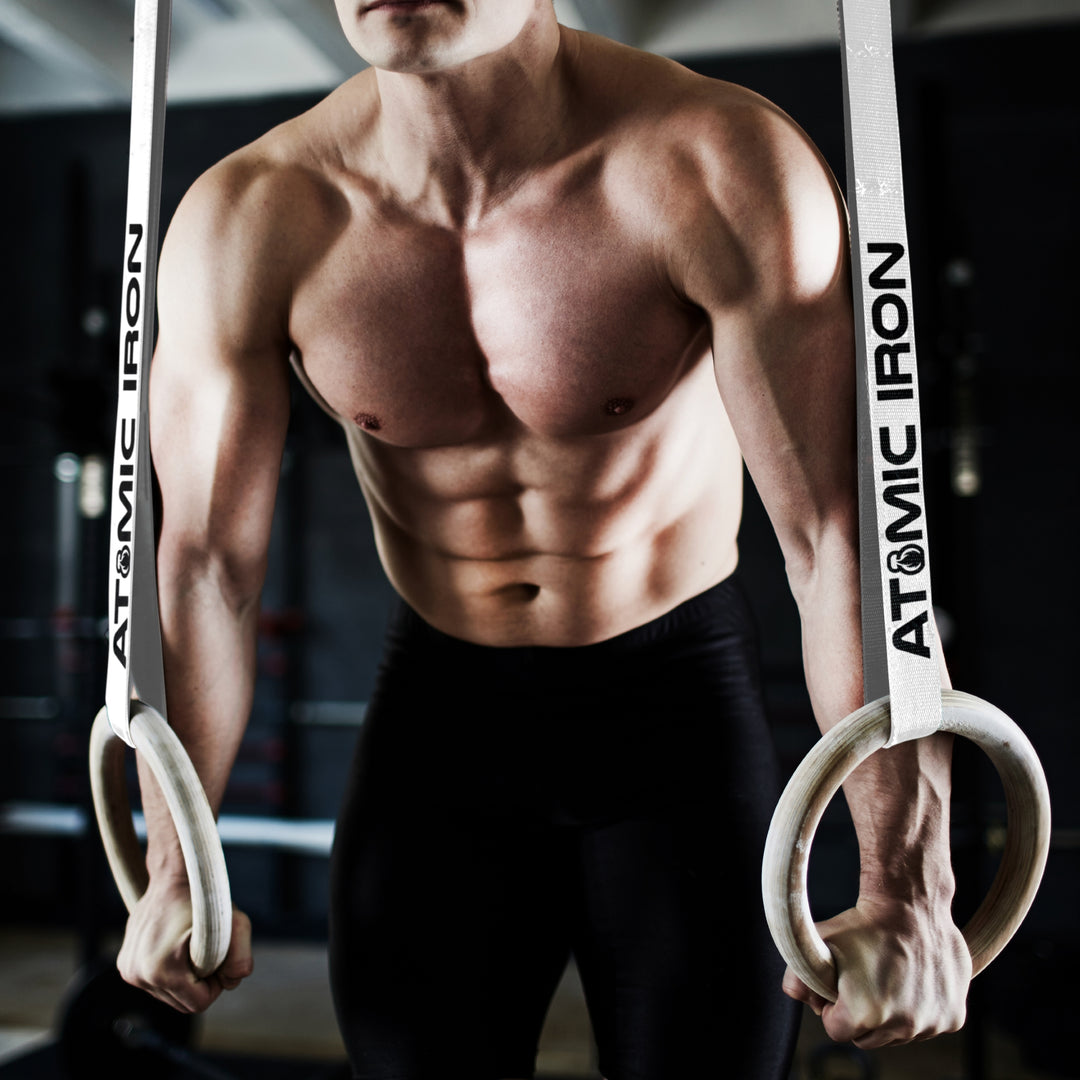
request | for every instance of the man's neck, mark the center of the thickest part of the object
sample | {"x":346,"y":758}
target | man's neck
{"x":456,"y":141}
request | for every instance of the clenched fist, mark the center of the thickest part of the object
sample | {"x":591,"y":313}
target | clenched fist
{"x":155,"y":952}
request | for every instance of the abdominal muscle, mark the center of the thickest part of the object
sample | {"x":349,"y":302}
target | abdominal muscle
{"x":525,"y":540}
{"x":543,"y":598}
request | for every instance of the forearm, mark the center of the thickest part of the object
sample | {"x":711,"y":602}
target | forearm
{"x":208,"y":642}
{"x":899,"y":798}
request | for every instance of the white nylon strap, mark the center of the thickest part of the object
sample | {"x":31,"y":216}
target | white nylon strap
{"x":134,"y":663}
{"x":899,"y":656}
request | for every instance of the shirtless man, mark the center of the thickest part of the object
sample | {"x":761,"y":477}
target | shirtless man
{"x":555,"y":291}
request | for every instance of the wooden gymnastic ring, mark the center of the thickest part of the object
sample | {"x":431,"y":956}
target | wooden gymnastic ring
{"x":836,"y":755}
{"x":211,"y":903}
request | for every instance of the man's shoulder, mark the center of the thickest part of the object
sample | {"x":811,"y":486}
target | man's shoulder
{"x":283,"y":186}
{"x":281,"y":179}
{"x":661,"y":105}
{"x":247,"y":227}
{"x":672,"y":129}
{"x":725,"y":178}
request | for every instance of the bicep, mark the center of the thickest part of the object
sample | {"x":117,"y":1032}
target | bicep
{"x":219,"y":407}
{"x":217,"y":441}
{"x":782,"y":330}
{"x":787,"y":377}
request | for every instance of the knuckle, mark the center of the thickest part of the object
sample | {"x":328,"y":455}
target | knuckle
{"x":906,"y":1031}
{"x":134,"y":977}
{"x":841,"y":1032}
{"x":955,"y":1024}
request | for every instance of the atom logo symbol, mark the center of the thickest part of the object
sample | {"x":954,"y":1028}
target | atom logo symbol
{"x":910,"y":559}
{"x":123,"y":561}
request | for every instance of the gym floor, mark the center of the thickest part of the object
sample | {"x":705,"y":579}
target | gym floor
{"x":284,"y":1013}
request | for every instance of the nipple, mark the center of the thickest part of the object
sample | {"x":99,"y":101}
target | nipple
{"x":616,"y":406}
{"x":367,"y":421}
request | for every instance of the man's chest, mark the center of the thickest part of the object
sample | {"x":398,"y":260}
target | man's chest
{"x":560,"y":321}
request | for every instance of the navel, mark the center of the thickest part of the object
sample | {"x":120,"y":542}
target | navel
{"x":520,"y":590}
{"x":367,"y":421}
{"x":616,"y":406}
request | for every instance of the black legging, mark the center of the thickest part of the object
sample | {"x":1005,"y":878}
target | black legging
{"x":511,"y":807}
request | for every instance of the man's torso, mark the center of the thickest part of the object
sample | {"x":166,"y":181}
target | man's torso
{"x":529,"y":403}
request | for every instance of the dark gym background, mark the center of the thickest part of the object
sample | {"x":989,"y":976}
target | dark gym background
{"x":991,"y":133}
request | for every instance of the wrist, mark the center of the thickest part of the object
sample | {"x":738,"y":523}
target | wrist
{"x":915,"y":870}
{"x":915,"y":889}
{"x":167,"y":886}
{"x":165,"y":860}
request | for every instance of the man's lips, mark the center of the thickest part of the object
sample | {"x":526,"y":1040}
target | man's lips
{"x":400,"y":5}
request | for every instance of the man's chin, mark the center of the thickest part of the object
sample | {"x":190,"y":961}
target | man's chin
{"x":411,"y":63}
{"x":418,"y":58}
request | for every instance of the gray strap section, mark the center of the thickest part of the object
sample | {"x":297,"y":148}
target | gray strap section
{"x":899,"y":653}
{"x":134,"y":663}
